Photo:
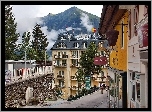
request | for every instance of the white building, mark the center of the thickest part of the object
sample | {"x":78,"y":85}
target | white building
{"x":138,"y":57}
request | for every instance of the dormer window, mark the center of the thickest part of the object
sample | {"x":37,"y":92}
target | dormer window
{"x":76,"y":45}
{"x":84,"y":45}
{"x":61,"y":45}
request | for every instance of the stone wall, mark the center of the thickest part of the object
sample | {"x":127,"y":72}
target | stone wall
{"x":15,"y":93}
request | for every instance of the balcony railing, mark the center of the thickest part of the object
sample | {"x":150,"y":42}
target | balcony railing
{"x":64,"y":56}
{"x":60,"y":77}
{"x":74,"y":56}
{"x":57,"y":56}
{"x":61,"y":65}
{"x":74,"y":88}
{"x":73,"y":78}
{"x":74,"y":65}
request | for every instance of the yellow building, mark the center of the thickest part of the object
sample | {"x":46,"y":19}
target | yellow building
{"x":65,"y":57}
{"x":115,"y":20}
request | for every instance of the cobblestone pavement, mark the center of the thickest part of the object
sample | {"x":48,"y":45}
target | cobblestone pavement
{"x":95,"y":100}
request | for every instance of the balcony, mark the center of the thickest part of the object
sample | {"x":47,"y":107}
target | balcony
{"x":60,"y":77}
{"x":101,"y":79}
{"x":74,"y":88}
{"x":74,"y":65}
{"x":73,"y":56}
{"x":73,"y":78}
{"x":61,"y":65}
{"x":57,"y":56}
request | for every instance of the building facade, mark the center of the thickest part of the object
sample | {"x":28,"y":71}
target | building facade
{"x":65,"y":57}
{"x":114,"y":25}
{"x":138,"y":57}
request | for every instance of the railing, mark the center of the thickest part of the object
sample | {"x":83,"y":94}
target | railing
{"x":74,"y":88}
{"x":60,"y":77}
{"x":64,"y":56}
{"x":73,"y":78}
{"x":61,"y":65}
{"x":74,"y":65}
{"x":57,"y":56}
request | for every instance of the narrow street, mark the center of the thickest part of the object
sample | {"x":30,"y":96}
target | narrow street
{"x":95,"y":100}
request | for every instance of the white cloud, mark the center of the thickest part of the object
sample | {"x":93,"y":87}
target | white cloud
{"x":51,"y":36}
{"x":86,"y":22}
{"x":27,"y":24}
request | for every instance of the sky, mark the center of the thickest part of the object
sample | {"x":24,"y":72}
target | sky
{"x":24,"y":13}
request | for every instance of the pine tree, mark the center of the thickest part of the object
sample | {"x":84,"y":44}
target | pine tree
{"x":10,"y":34}
{"x":39,"y":43}
{"x":30,"y":53}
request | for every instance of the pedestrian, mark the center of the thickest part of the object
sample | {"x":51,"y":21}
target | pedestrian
{"x":101,"y":89}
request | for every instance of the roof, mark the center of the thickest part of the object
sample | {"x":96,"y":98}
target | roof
{"x":71,"y":42}
{"x":18,"y":61}
{"x":110,"y":17}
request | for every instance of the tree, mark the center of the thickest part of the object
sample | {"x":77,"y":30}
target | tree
{"x":86,"y":64}
{"x":39,"y":43}
{"x":10,"y":34}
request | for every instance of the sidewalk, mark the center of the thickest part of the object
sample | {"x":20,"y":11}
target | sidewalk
{"x":105,"y":101}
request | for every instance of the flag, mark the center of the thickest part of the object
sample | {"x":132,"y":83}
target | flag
{"x":93,"y":30}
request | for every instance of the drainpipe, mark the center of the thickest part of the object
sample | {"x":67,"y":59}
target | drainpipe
{"x":118,"y":91}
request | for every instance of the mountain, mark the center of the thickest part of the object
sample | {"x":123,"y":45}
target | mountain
{"x":69,"y":18}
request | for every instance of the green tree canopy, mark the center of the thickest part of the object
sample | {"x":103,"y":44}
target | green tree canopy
{"x":87,"y":66}
{"x":10,"y":34}
{"x":39,"y":43}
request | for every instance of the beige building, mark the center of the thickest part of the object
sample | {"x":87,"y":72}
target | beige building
{"x":65,"y":57}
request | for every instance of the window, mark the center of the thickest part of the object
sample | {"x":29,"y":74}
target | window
{"x":63,"y":62}
{"x":84,"y":45}
{"x":102,"y":53}
{"x":76,"y":45}
{"x":59,"y":53}
{"x":133,"y":92}
{"x":133,"y":49}
{"x":75,"y":54}
{"x":64,"y":53}
{"x":61,"y":83}
{"x":58,"y":62}
{"x":133,"y":75}
{"x":61,"y":72}
{"x":136,"y":17}
{"x":138,"y":91}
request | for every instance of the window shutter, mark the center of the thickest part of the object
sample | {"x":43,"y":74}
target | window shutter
{"x":136,"y":18}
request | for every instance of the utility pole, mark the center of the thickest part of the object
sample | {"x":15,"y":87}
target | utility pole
{"x":25,"y":64}
{"x":45,"y":63}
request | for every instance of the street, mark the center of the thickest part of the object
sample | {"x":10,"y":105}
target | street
{"x":95,"y":100}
